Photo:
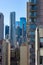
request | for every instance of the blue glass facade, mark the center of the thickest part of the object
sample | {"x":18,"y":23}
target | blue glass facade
{"x":12,"y":29}
{"x":23,"y":22}
{"x":32,"y":26}
{"x":6,"y":31}
{"x":23,"y":27}
{"x":21,"y":30}
{"x":17,"y":23}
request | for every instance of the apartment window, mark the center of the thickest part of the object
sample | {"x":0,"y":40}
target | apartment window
{"x":1,"y":59}
{"x":32,"y":20}
{"x":0,"y":50}
{"x":32,"y":33}
{"x":33,"y":7}
{"x":40,"y":59}
{"x":32,"y":41}
{"x":0,"y":16}
{"x":32,"y":26}
{"x":32,"y":13}
{"x":41,"y":42}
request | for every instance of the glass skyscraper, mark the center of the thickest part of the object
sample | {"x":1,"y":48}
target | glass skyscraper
{"x":21,"y":30}
{"x":23,"y":27}
{"x":23,"y":22}
{"x":12,"y":29}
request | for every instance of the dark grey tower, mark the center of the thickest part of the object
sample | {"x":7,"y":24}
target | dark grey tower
{"x":1,"y":26}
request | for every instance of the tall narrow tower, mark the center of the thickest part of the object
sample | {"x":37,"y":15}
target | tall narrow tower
{"x":1,"y":26}
{"x":12,"y":29}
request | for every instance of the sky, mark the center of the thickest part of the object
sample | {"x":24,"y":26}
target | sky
{"x":18,"y":6}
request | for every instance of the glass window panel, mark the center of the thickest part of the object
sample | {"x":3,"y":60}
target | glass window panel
{"x":41,"y":42}
{"x":32,"y":26}
{"x":40,"y":59}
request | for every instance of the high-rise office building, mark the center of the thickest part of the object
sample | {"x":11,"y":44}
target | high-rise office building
{"x":31,"y":26}
{"x":6,"y":32}
{"x":23,"y":26}
{"x":12,"y":29}
{"x":23,"y":22}
{"x":1,"y":26}
{"x":21,"y":30}
{"x":18,"y":35}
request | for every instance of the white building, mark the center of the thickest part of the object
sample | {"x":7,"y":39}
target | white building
{"x":39,"y":46}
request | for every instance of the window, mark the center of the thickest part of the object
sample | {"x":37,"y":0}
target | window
{"x":32,"y":20}
{"x":33,"y":26}
{"x":0,"y":50}
{"x":0,"y":16}
{"x":41,"y":42}
{"x":32,"y":39}
{"x":40,"y":59}
{"x":1,"y":59}
{"x":32,"y":33}
{"x":32,"y":13}
{"x":33,"y":7}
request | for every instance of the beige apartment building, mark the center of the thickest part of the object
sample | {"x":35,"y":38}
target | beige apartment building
{"x":24,"y":55}
{"x":4,"y":52}
{"x":39,"y":46}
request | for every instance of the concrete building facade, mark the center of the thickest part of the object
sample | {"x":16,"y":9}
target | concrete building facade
{"x":24,"y":55}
